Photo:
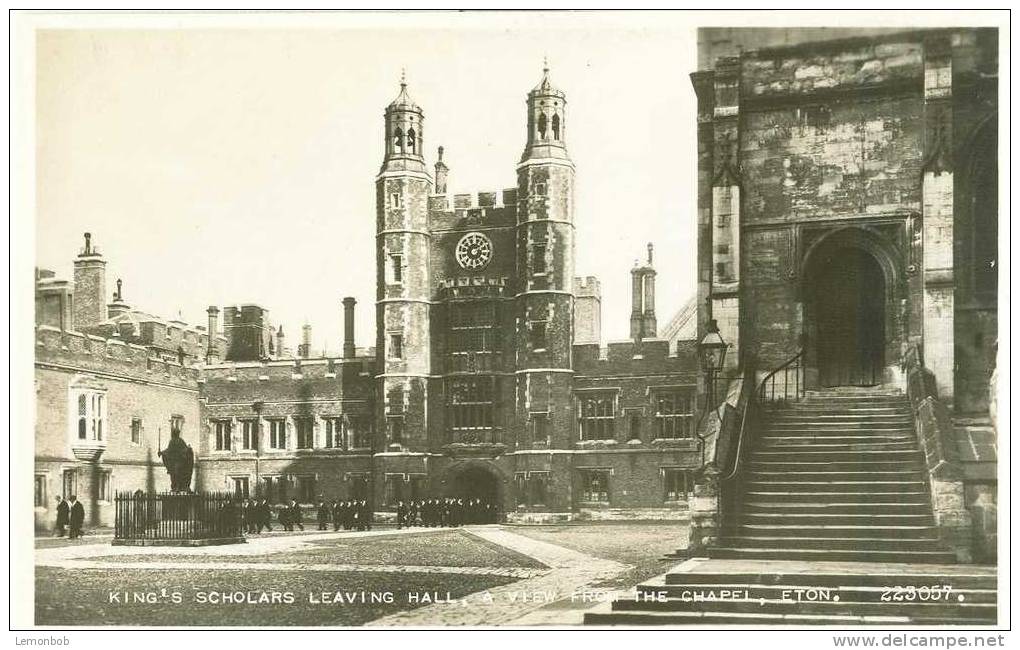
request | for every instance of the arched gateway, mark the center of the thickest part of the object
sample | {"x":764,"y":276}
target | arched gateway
{"x":849,"y":291}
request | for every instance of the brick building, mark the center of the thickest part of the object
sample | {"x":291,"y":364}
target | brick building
{"x":111,"y":384}
{"x":488,"y":377}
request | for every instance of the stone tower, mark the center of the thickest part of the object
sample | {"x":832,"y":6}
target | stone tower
{"x":402,"y":282}
{"x":545,"y":263}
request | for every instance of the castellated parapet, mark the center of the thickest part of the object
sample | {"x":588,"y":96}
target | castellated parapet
{"x":95,"y":354}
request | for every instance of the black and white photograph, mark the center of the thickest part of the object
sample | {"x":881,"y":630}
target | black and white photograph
{"x":511,"y":320}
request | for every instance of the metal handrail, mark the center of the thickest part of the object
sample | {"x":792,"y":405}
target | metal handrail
{"x":757,"y":397}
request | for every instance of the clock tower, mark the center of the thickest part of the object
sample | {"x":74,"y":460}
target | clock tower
{"x":545,"y":266}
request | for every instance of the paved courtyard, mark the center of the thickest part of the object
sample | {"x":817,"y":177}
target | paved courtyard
{"x":477,"y":575}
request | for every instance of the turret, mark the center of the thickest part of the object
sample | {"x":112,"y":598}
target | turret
{"x":402,"y":283}
{"x":545,"y":263}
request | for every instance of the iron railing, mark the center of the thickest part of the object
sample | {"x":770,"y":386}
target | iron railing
{"x":176,"y":516}
{"x":783,"y":384}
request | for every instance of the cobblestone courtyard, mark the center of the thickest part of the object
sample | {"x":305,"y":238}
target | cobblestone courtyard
{"x":482,"y":575}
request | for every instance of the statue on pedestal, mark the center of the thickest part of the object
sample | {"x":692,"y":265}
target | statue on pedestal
{"x":179,"y":460}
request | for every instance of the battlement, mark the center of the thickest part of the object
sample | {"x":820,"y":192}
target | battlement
{"x":298,"y":380}
{"x":496,"y":199}
{"x":91,"y":353}
{"x":650,"y":356}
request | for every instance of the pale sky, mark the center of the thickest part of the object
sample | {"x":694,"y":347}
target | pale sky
{"x":233,"y":166}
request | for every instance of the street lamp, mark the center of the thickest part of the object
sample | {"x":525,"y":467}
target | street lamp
{"x":712,"y":351}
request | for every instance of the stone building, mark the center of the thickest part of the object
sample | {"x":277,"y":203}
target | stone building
{"x":487,"y":379}
{"x":111,"y":384}
{"x":847,"y":208}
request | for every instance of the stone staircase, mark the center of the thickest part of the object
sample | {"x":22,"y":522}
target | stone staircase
{"x":834,"y":504}
{"x":836,"y":476}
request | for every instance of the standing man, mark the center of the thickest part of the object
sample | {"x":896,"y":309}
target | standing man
{"x":322,"y":513}
{"x":63,"y":515}
{"x":337,"y":514}
{"x":77,"y":517}
{"x":295,"y":515}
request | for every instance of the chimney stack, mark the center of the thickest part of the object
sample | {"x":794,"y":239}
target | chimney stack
{"x":89,"y":298}
{"x":305,"y":349}
{"x":210,"y":333}
{"x":349,"y":303}
{"x":279,"y":342}
{"x":441,"y":173}
{"x":642,"y":315}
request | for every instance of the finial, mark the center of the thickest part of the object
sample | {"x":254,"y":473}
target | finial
{"x":440,"y":153}
{"x":88,"y":243}
{"x":118,"y":298}
{"x":545,"y":64}
{"x":403,"y":78}
{"x":649,"y":253}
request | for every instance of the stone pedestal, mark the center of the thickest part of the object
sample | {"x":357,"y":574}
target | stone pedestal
{"x":952,"y":518}
{"x":705,"y":512}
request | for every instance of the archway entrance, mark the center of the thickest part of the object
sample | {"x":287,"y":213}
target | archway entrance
{"x":475,"y":482}
{"x":847,"y":310}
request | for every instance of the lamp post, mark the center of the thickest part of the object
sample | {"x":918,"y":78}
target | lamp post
{"x":712,"y":352}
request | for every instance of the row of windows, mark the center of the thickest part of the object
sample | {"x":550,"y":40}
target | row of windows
{"x":677,"y":485}
{"x":673,"y":416}
{"x":340,"y":433}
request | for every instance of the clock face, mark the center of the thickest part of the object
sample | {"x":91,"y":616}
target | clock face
{"x":474,"y":250}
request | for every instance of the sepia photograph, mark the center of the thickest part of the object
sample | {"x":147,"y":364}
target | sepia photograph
{"x":510,"y":320}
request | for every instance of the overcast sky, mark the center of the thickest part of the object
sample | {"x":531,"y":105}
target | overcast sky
{"x":232,"y":166}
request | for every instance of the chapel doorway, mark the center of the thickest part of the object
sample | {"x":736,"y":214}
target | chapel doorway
{"x":847,"y":305}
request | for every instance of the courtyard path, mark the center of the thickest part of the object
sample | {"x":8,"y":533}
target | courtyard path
{"x":520,"y":603}
{"x":555,"y":595}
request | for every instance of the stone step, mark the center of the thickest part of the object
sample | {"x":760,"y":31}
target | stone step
{"x":849,"y":428}
{"x":858,"y":531}
{"x":921,"y":507}
{"x":837,"y":444}
{"x":836,"y":437}
{"x":844,"y":555}
{"x":826,"y":466}
{"x":958,"y":578}
{"x":610,"y":617}
{"x":897,"y":407}
{"x":836,"y":456}
{"x":836,"y":519}
{"x":841,"y":543}
{"x":829,"y":416}
{"x":878,"y":445}
{"x":933,"y":591}
{"x":760,"y":475}
{"x":825,"y":496}
{"x":800,"y":605}
{"x":835,"y":486}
